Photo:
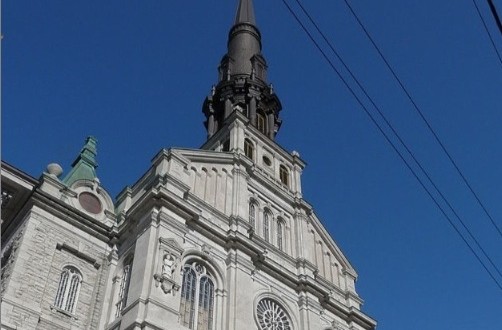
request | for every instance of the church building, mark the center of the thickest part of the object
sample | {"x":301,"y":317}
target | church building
{"x":215,"y":238}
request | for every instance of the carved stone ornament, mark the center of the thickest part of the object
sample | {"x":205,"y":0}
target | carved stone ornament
{"x":169,"y":256}
{"x":166,"y":276}
{"x":166,"y":284}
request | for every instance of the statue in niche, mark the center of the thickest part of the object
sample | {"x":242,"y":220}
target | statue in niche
{"x":168,"y":265}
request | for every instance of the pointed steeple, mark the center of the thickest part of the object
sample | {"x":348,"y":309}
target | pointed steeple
{"x":242,"y":84}
{"x":84,"y":167}
{"x":244,"y":40}
{"x":245,"y":13}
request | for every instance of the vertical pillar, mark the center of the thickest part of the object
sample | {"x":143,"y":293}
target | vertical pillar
{"x":270,"y":125}
{"x":300,"y":242}
{"x":231,"y":288}
{"x":304,"y":310}
{"x":111,"y":289}
{"x":210,"y":125}
{"x":252,"y":110}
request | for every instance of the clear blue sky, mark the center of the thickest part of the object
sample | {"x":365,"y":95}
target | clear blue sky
{"x":134,"y":74}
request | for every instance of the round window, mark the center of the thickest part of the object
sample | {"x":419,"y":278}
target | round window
{"x":267,"y":161}
{"x":271,"y":316}
{"x":90,"y":202}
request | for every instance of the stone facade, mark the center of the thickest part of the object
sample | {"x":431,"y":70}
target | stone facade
{"x":213,"y":238}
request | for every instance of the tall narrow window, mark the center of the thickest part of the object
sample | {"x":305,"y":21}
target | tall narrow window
{"x":206,"y":304}
{"x":187,"y":309}
{"x":248,"y":148}
{"x":226,"y":146}
{"x":124,"y":287}
{"x":266,"y":226}
{"x":284,"y":175}
{"x":252,"y":215}
{"x":68,"y":289}
{"x":280,"y":242}
{"x":197,"y":297}
{"x":261,"y":123}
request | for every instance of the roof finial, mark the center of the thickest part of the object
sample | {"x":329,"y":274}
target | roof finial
{"x":245,"y":12}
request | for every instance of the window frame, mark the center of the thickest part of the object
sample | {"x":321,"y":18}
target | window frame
{"x":201,"y":286}
{"x":268,"y":310}
{"x":267,"y":217}
{"x":284,"y":175}
{"x":280,"y":234}
{"x":253,"y":212}
{"x":68,"y":290}
{"x":249,"y":148}
{"x":125,"y":282}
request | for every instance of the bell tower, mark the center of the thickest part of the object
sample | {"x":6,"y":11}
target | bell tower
{"x":242,"y":83}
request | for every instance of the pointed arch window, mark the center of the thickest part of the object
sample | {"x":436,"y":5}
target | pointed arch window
{"x":68,"y":289}
{"x":266,"y":226}
{"x":197,"y":297}
{"x":252,"y":214}
{"x":284,"y":175}
{"x":249,"y":148}
{"x":280,"y":234}
{"x":124,"y":286}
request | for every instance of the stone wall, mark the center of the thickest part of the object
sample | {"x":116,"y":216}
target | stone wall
{"x":49,"y":244}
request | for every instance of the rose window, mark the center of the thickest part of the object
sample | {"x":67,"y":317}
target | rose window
{"x":271,"y":316}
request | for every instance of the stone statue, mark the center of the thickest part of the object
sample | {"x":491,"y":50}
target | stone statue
{"x":168,"y":265}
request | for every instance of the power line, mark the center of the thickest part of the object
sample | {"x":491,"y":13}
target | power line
{"x":398,"y":136}
{"x":495,"y":15}
{"x":422,"y":116}
{"x":487,"y":31}
{"x":391,"y":143}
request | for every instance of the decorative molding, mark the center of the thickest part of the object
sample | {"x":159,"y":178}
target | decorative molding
{"x":171,"y":243}
{"x":78,"y":254}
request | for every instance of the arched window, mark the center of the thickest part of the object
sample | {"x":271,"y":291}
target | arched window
{"x":124,"y":286}
{"x":248,"y":148}
{"x":68,"y":289}
{"x":252,"y":215}
{"x":266,"y":226}
{"x":284,"y":175}
{"x":197,"y":297}
{"x":280,"y":234}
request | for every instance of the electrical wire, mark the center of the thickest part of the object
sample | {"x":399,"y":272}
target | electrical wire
{"x":387,"y":138}
{"x":398,"y":136}
{"x":495,"y":15}
{"x":487,"y":30}
{"x":424,"y":119}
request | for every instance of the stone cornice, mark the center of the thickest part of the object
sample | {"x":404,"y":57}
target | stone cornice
{"x":73,"y":216}
{"x":79,"y":254}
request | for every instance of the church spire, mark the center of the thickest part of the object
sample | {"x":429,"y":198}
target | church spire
{"x":245,"y":12}
{"x":242,"y":84}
